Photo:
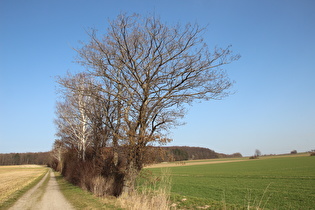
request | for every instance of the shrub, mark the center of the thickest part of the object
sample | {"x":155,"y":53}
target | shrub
{"x":96,"y":174}
{"x":313,"y":154}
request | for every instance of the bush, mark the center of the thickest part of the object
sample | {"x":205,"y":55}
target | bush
{"x":253,"y":157}
{"x":96,"y":174}
{"x":313,"y":154}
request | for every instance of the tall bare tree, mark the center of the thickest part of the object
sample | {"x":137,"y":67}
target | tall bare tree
{"x":57,"y":153}
{"x":72,"y":113}
{"x":146,"y":72}
{"x":155,"y":71}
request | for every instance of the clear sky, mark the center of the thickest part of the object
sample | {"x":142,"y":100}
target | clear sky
{"x":273,"y":108}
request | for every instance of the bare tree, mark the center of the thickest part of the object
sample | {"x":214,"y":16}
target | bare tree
{"x":146,"y":72}
{"x":72,"y":113}
{"x":57,"y":153}
{"x":257,"y":153}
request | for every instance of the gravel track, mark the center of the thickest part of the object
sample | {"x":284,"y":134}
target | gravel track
{"x":44,"y":198}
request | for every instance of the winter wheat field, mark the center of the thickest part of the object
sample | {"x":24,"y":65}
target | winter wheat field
{"x":274,"y":182}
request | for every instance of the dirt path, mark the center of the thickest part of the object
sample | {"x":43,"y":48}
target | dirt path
{"x":43,"y":197}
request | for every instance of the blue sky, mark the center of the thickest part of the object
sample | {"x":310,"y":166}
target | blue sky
{"x":273,"y":106}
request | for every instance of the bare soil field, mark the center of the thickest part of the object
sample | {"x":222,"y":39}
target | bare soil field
{"x":15,"y":178}
{"x":193,"y":162}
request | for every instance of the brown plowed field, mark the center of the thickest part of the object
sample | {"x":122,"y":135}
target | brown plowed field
{"x":193,"y":162}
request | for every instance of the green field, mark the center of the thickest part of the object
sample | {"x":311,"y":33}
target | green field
{"x":270,"y":183}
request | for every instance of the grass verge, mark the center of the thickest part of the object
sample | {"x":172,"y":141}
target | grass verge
{"x":17,"y":194}
{"x":42,"y":188}
{"x":81,"y":199}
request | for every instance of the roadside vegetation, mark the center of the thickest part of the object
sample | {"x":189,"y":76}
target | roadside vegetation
{"x":153,"y":193}
{"x":16,"y":180}
{"x":82,"y":199}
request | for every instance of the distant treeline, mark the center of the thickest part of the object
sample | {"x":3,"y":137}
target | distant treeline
{"x":38,"y":158}
{"x":157,"y":154}
{"x":180,"y":153}
{"x":234,"y":155}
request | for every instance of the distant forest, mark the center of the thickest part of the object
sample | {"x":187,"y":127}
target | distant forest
{"x":158,"y":154}
{"x":38,"y":158}
{"x":181,"y":153}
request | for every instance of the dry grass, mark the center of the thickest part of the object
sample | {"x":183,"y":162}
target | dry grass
{"x":143,"y":201}
{"x":154,"y":195}
{"x":15,"y":178}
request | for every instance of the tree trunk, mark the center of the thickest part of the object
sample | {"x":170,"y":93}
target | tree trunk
{"x":129,"y":180}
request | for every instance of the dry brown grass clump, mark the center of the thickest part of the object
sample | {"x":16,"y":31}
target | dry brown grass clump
{"x":153,"y":195}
